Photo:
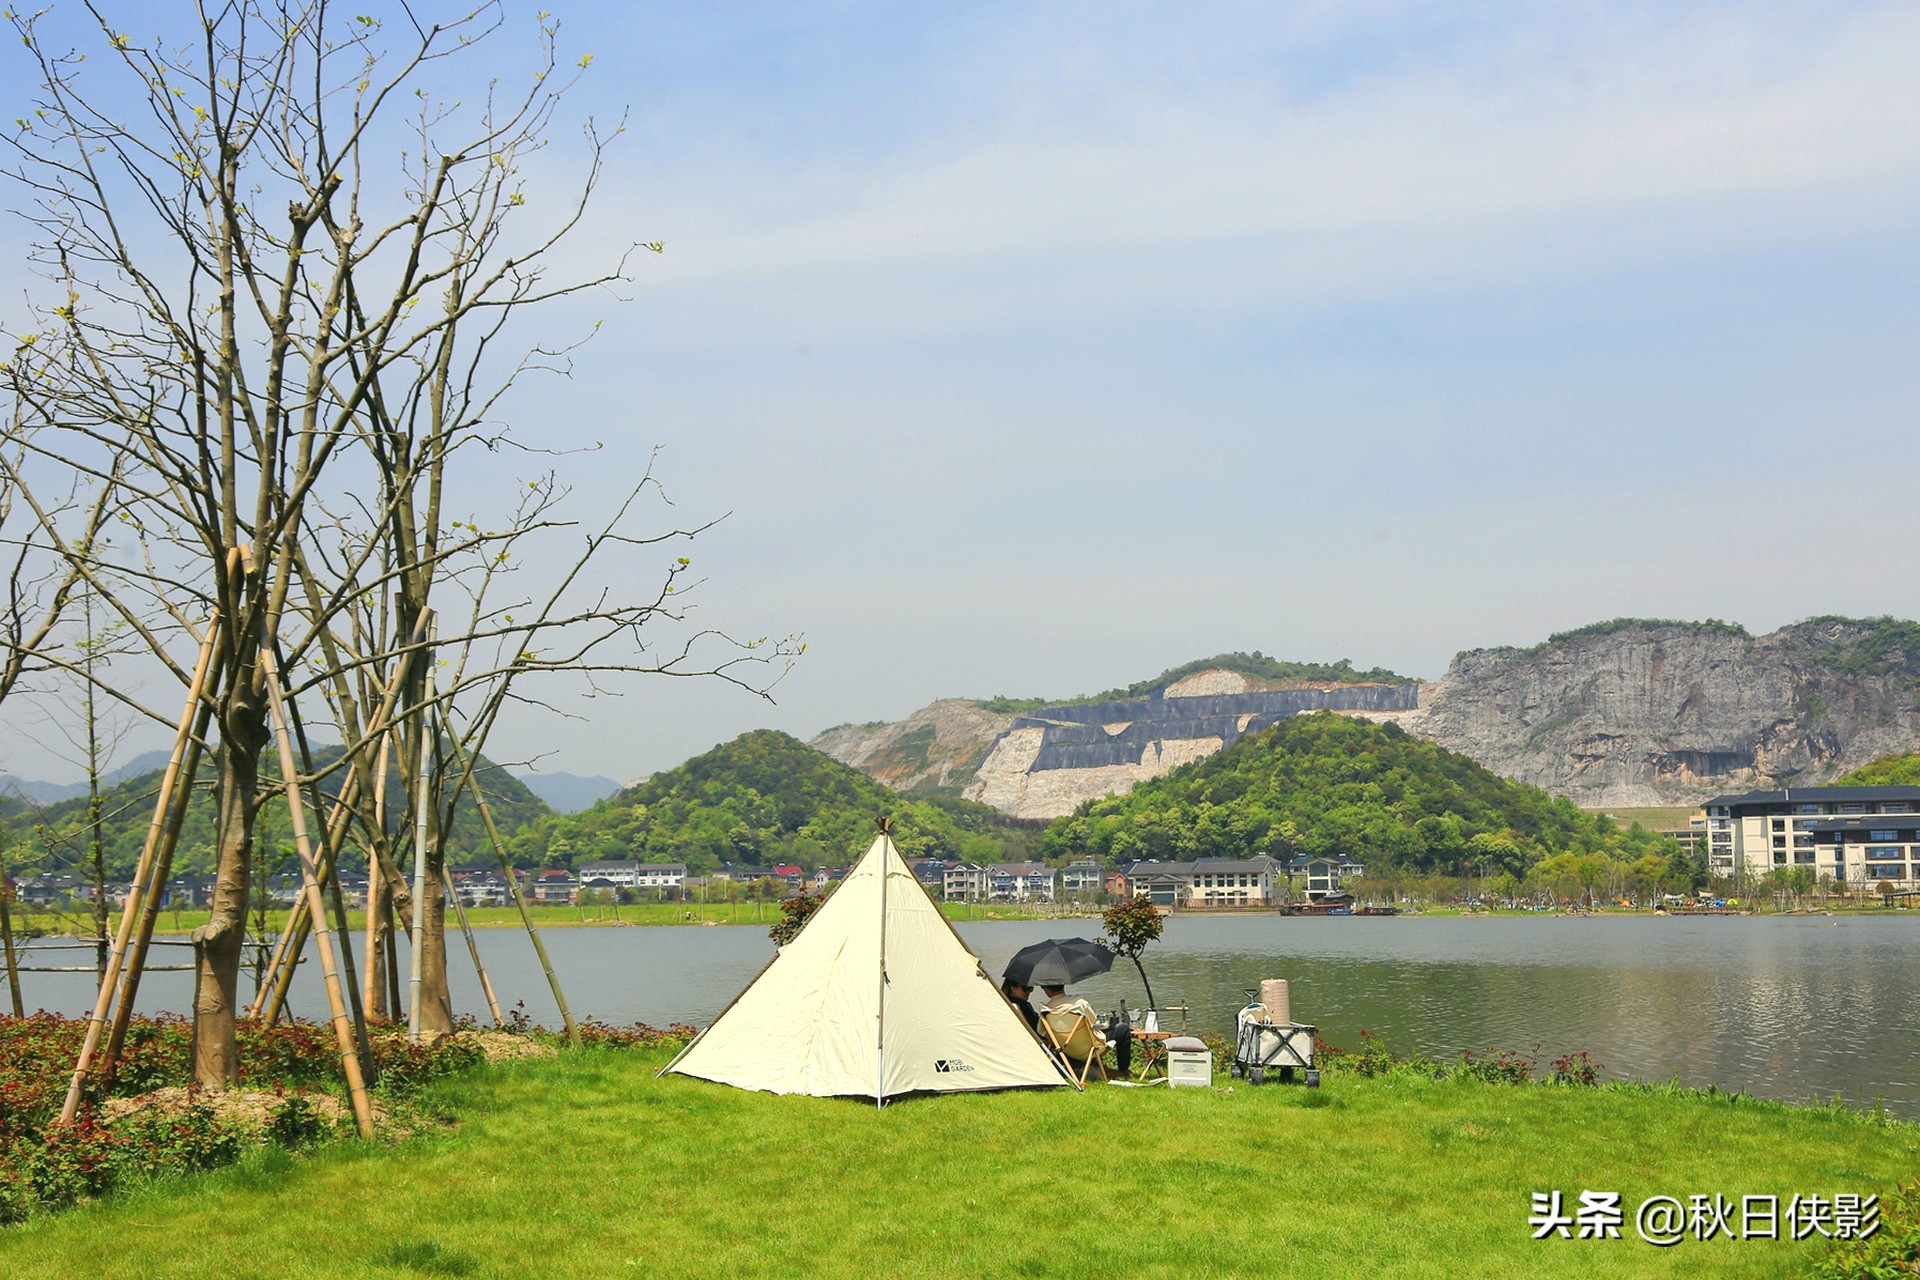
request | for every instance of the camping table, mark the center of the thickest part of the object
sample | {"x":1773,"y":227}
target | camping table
{"x":1152,"y":1048}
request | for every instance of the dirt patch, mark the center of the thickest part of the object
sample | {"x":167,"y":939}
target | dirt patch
{"x":248,"y":1109}
{"x":503,"y":1046}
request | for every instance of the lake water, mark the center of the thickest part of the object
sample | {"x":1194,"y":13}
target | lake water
{"x":1780,"y":1007}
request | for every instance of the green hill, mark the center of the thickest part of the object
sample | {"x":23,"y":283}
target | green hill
{"x":1887,"y":771}
{"x":55,"y":837}
{"x":1331,"y":784}
{"x":765,"y":798}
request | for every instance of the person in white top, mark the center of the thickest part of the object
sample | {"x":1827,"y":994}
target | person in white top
{"x":1058,"y":1001}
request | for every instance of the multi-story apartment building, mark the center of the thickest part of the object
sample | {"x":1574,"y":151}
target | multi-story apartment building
{"x":964,"y":882}
{"x":1861,"y":836}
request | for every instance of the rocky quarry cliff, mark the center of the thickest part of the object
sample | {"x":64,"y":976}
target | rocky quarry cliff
{"x":1649,"y":713}
{"x":1624,"y":713}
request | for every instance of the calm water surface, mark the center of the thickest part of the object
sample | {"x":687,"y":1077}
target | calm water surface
{"x":1783,"y":1008}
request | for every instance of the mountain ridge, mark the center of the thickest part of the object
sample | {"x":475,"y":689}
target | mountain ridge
{"x":1624,"y":712}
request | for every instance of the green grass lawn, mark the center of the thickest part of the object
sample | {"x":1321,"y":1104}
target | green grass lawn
{"x":587,"y":1166}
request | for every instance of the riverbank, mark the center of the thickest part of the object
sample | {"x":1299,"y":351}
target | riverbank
{"x":585,"y":1165}
{"x":67,"y":925}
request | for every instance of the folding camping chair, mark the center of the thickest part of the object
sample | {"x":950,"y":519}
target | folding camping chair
{"x":1071,"y":1033}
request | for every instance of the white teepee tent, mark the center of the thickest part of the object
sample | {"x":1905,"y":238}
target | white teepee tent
{"x":875,"y":998}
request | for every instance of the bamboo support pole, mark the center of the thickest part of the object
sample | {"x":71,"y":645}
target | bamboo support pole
{"x":271,"y":1000}
{"x":393,"y":966}
{"x":379,"y":923}
{"x":473,"y":947}
{"x":361,"y":1036}
{"x":103,"y":1000}
{"x":343,"y":1030}
{"x":162,"y":868}
{"x":421,"y":765}
{"x":89,"y":968}
{"x":330,"y":883}
{"x":273,"y":995}
{"x":513,"y":884}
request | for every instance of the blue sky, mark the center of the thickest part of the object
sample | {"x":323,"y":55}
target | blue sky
{"x":1034,"y":349}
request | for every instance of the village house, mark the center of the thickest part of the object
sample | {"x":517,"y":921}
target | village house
{"x":483,"y":889}
{"x":964,"y":882}
{"x":556,"y":884}
{"x":1083,"y":877}
{"x":1020,"y":882}
{"x":1324,"y":875}
{"x":738,"y":874}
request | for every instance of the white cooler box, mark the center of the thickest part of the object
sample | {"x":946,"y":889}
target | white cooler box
{"x":1189,"y":1062}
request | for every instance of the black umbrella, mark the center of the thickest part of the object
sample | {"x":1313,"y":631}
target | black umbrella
{"x":1058,"y":962}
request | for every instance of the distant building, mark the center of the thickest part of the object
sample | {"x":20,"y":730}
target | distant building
{"x":556,"y":885}
{"x":964,"y":882}
{"x":1206,"y":882}
{"x":1861,"y":836}
{"x":930,"y":872}
{"x":659,"y":875}
{"x":1692,"y":836}
{"x":483,"y":889}
{"x":1082,"y":877}
{"x":741,"y":874}
{"x":1325,"y":875}
{"x":628,"y":874}
{"x":619,"y":873}
{"x":188,"y":891}
{"x":1020,"y":882}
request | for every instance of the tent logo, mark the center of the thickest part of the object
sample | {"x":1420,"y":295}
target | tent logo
{"x":951,"y":1064}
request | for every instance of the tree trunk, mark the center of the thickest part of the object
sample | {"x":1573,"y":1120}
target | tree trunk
{"x":436,"y":1003}
{"x":373,"y":990}
{"x":218,"y":945}
{"x":1144,"y":982}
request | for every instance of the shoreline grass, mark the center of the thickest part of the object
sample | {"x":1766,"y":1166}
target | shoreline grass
{"x":585,"y":1165}
{"x":643,"y":914}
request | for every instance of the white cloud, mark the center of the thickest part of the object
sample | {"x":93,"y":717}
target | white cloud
{"x":1657,"y":140}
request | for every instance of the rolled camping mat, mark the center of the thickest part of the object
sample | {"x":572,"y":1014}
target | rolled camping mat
{"x":1274,"y":998}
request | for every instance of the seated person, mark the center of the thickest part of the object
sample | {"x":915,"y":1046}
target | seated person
{"x":1058,"y":1001}
{"x":1019,"y":997}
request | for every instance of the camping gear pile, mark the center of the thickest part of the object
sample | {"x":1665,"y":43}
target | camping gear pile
{"x":1268,"y":1039}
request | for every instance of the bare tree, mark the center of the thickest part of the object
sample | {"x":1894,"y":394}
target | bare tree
{"x":280,"y":272}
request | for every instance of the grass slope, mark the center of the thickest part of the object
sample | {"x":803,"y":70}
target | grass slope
{"x":586,"y":1166}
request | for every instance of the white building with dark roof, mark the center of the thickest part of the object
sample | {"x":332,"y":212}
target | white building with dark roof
{"x":1857,"y":835}
{"x":1207,"y":882}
